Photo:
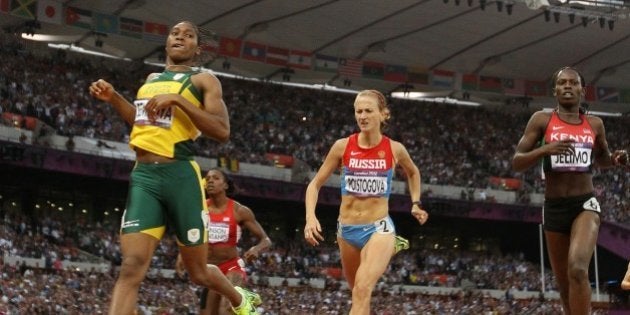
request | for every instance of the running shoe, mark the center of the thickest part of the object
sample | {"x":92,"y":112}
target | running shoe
{"x":251,"y":300}
{"x":401,"y":243}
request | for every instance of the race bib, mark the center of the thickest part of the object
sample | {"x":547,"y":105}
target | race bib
{"x":218,"y":233}
{"x":366,"y":185}
{"x":164,"y":117}
{"x":592,"y":205}
{"x":579,"y":160}
{"x":384,"y":226}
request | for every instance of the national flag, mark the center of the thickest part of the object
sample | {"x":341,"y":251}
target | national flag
{"x":469,"y":82}
{"x":155,"y":31}
{"x":373,"y":70}
{"x":79,"y":17}
{"x":590,"y":93}
{"x":418,"y":75}
{"x":49,"y":11}
{"x":4,"y":5}
{"x":277,"y":56}
{"x":24,"y":8}
{"x":442,"y":78}
{"x":395,"y":73}
{"x":535,"y":88}
{"x":230,"y":47}
{"x":300,"y":59}
{"x":106,"y":23}
{"x":607,"y":95}
{"x":326,"y":63}
{"x":350,"y":68}
{"x":513,"y":86}
{"x":490,"y":84}
{"x":624,"y":96}
{"x":130,"y":27}
{"x":254,"y":51}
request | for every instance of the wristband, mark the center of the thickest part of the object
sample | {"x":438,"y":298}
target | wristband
{"x":418,"y":203}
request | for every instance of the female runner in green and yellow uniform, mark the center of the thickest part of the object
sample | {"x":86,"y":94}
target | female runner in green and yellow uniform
{"x":171,"y":110}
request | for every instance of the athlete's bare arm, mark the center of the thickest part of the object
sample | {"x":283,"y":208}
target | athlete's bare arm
{"x":246,"y":218}
{"x":212,"y":119}
{"x":413,"y":179}
{"x":312,"y":230}
{"x":104,"y":91}
{"x":527,"y":154}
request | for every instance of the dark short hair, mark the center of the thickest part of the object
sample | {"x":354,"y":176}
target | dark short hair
{"x":555,"y":75}
{"x":195,"y":28}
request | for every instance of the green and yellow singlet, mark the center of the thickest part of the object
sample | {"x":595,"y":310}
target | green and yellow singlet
{"x":172,"y":133}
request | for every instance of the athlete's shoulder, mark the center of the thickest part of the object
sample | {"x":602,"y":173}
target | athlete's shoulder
{"x":398,"y":149}
{"x":152,"y":76}
{"x":540,"y":118}
{"x":338,"y":148}
{"x":238,"y":206}
{"x":594,"y":120}
{"x":396,"y":144}
{"x":241,"y":211}
{"x":205,"y":75}
{"x":206,"y":81}
{"x":342,"y":142}
{"x":542,"y":114}
{"x":392,"y":141}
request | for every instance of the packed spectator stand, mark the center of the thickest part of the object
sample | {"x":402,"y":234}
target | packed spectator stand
{"x":53,"y":289}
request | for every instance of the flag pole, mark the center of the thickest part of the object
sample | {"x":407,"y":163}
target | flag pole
{"x":596,"y":275}
{"x":542,"y":259}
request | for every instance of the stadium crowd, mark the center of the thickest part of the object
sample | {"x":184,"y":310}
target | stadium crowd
{"x":271,"y":118}
{"x":437,"y":268}
{"x":70,"y":292}
{"x":53,"y":289}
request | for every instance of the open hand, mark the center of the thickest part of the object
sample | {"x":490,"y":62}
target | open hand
{"x":312,"y":232}
{"x":560,"y":147}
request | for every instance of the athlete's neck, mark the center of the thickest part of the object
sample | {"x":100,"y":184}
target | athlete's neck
{"x":568,"y":115}
{"x":219,"y":202}
{"x":369,"y":140}
{"x":179,"y":68}
{"x":568,"y":108}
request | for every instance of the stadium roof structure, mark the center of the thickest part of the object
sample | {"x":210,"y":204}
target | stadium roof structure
{"x":440,"y":47}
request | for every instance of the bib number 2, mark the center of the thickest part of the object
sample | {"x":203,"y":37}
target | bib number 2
{"x":384,"y":226}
